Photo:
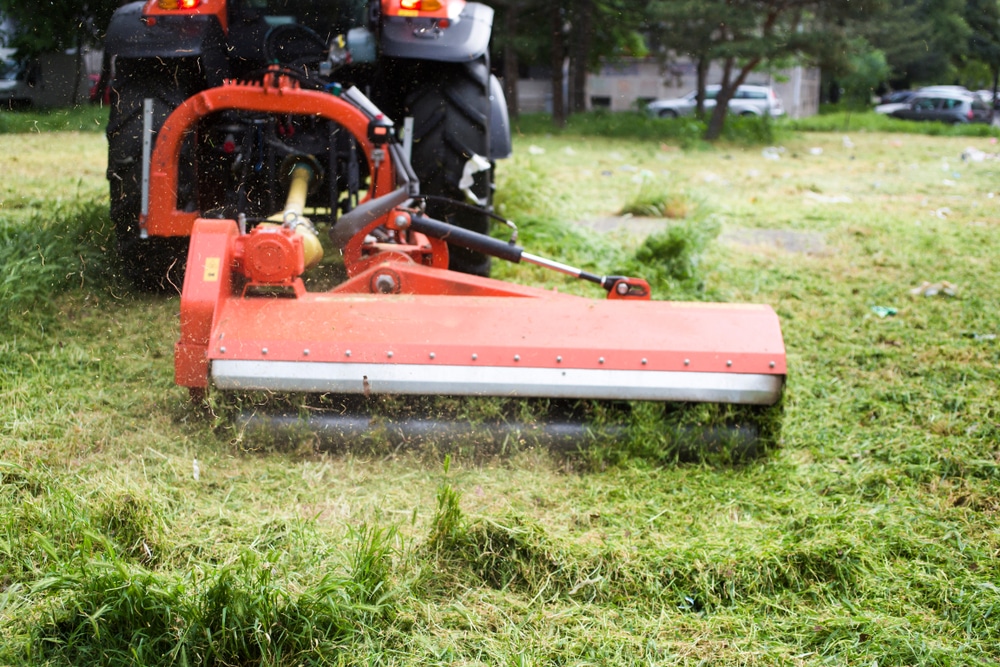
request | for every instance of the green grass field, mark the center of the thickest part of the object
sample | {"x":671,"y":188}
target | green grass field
{"x":135,"y":529}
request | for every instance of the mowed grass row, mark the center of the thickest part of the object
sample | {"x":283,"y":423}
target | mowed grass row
{"x":136,"y":530}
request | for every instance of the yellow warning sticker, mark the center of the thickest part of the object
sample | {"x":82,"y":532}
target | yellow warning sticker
{"x":211,"y":270}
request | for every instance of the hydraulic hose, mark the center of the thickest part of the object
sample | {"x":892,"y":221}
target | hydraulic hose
{"x":465,"y":238}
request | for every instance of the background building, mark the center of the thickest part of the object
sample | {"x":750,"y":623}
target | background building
{"x":631,"y":84}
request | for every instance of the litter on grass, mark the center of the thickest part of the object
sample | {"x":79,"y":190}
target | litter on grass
{"x":884,"y":311}
{"x":827,"y":199}
{"x":942,"y":288}
{"x":971,"y":154}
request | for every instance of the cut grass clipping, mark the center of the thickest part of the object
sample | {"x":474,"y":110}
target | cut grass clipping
{"x":658,"y":204}
{"x":588,"y":433}
{"x":485,"y":427}
{"x":133,"y":533}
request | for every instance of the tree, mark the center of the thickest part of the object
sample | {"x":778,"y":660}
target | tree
{"x":863,"y":72}
{"x":581,"y":26}
{"x":61,"y":25}
{"x":521,"y":37}
{"x":565,"y":37}
{"x":601,"y":30}
{"x":923,"y":40}
{"x":688,"y":26}
{"x":745,"y":34}
{"x":557,"y":56}
{"x":583,"y":32}
{"x":983,"y":19}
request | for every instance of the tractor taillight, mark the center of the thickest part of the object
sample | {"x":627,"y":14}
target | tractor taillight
{"x":174,"y":5}
{"x":156,"y":9}
{"x":438,"y":9}
{"x":420,"y":5}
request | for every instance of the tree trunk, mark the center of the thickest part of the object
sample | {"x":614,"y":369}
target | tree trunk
{"x":717,"y":123}
{"x":718,"y":120}
{"x":557,"y":59}
{"x":78,"y":70}
{"x":510,"y":61}
{"x":582,"y":31}
{"x":701,"y":72}
{"x":993,"y":104}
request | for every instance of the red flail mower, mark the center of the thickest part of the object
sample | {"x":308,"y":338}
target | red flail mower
{"x":402,"y":323}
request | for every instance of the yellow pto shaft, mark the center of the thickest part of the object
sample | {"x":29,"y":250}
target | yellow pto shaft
{"x":300,"y":179}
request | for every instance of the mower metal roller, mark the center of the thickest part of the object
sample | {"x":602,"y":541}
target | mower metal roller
{"x":402,"y":323}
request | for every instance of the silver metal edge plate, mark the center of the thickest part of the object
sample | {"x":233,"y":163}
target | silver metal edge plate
{"x":422,"y":379}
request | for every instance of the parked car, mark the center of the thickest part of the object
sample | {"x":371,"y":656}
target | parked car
{"x":946,"y":107}
{"x":894,"y":101}
{"x":14,"y":91}
{"x":750,"y":100}
{"x":946,"y":89}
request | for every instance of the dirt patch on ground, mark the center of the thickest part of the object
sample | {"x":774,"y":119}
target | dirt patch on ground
{"x":808,"y":243}
{"x":641,"y":227}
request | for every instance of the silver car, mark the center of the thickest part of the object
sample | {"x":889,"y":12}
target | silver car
{"x":749,"y":100}
{"x":946,"y":107}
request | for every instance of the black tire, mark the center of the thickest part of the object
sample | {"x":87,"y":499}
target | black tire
{"x":154,"y":264}
{"x":668,"y":113}
{"x":450,"y":106}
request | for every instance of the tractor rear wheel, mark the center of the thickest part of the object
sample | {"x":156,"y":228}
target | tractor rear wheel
{"x":154,"y":264}
{"x":450,"y":106}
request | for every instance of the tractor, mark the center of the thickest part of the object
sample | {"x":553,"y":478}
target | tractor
{"x":239,"y":128}
{"x":424,"y":63}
